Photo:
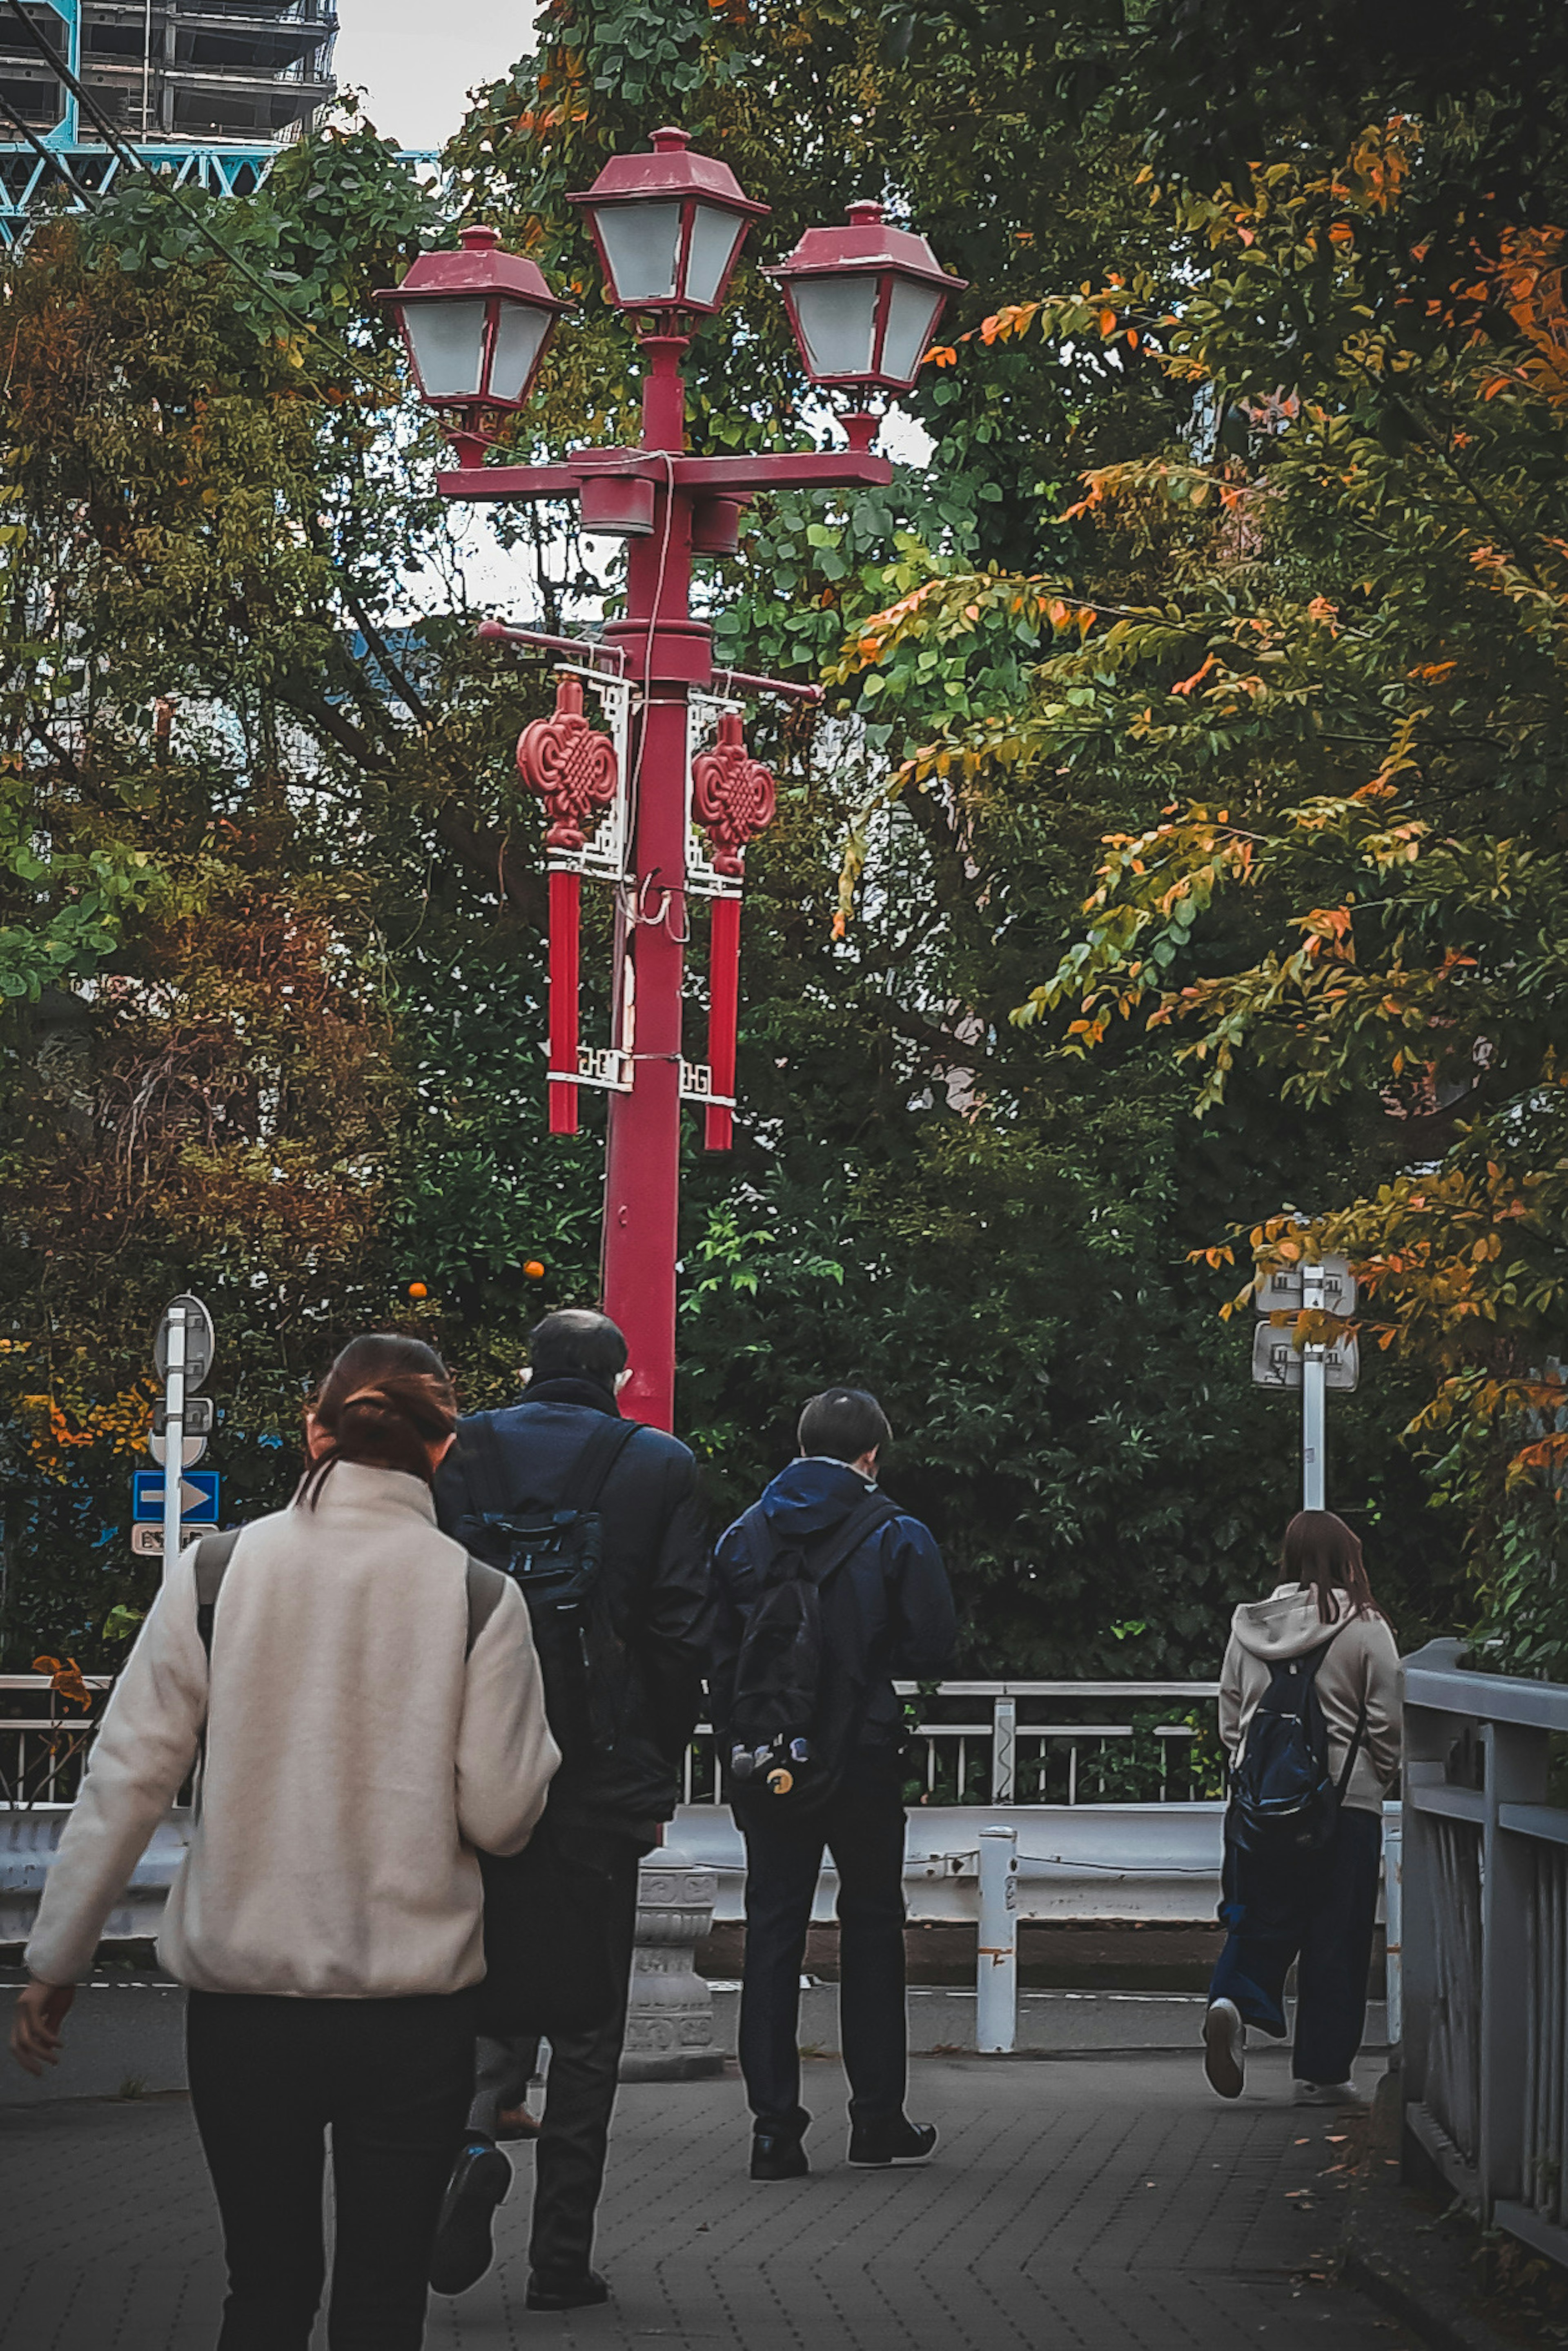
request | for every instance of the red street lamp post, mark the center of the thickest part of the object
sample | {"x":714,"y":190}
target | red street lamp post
{"x":863,"y":301}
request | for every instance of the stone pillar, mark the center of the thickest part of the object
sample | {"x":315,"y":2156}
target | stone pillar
{"x":669,"y":2024}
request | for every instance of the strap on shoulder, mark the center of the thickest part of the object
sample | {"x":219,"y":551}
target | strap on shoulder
{"x":874,"y":1511}
{"x":586,"y":1479}
{"x":213,"y":1554}
{"x":479,"y":1451}
{"x":486,"y":1585}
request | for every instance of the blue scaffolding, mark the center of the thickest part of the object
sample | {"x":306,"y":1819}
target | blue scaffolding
{"x":222,"y":166}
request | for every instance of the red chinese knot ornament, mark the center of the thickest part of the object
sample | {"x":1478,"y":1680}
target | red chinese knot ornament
{"x":573,"y":770}
{"x":571,"y":766}
{"x":733,"y":795}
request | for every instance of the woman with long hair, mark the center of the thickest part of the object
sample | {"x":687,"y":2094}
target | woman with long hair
{"x":367,"y":1708}
{"x":1304,"y":1886}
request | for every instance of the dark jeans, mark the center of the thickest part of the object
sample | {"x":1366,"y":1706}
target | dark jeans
{"x":580,"y":2097}
{"x":1317,"y":1907}
{"x":391,"y":2080}
{"x":862,"y":1827}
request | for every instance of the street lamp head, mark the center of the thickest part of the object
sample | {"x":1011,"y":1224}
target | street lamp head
{"x":477,"y":324}
{"x":864,"y":302}
{"x":669,"y":227}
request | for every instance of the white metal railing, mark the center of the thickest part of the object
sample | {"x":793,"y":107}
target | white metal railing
{"x":1009,"y":1758}
{"x":1485,"y":1941}
{"x":1014,"y":1747}
{"x":44,"y":1739}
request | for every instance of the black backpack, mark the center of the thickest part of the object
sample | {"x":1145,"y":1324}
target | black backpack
{"x":795,"y":1713}
{"x":555,"y":1557}
{"x":1282,"y":1797}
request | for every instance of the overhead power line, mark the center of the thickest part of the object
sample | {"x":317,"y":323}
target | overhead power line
{"x":128,"y":156}
{"x":408,"y":696}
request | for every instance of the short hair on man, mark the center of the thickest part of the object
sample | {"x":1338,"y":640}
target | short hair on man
{"x":841,"y":1423}
{"x":577,"y":1342}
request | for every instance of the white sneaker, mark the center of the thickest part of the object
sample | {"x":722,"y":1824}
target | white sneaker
{"x":1327,"y":2094}
{"x":1224,"y":2044}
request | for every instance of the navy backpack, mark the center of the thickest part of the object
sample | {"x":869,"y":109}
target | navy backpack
{"x":1283,"y":1798}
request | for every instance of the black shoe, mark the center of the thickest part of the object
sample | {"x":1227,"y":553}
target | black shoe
{"x":778,"y":2155}
{"x":561,"y":2293}
{"x":462,"y":2250}
{"x":896,"y":2140}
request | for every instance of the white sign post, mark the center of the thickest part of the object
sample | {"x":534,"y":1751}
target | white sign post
{"x":1314,"y":1398}
{"x":174,"y":1432}
{"x":183,"y":1355}
{"x":1327,"y":1286}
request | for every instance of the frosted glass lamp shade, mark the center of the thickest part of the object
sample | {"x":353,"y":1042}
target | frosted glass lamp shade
{"x":521,"y":332}
{"x":835,"y":318}
{"x":864,"y":302}
{"x":642,"y":249}
{"x":475,"y":323}
{"x":913,"y":311}
{"x":712,"y":253}
{"x":669,"y":227}
{"x":446,"y":343}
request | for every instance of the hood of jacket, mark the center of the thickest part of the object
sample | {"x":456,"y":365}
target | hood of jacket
{"x":813,"y":1496}
{"x":1286,"y":1624}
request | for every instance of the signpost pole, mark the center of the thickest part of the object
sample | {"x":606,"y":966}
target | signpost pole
{"x":174,"y":1437}
{"x":1314,"y":1415}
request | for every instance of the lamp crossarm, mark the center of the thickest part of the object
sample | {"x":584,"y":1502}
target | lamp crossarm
{"x":842,"y":469}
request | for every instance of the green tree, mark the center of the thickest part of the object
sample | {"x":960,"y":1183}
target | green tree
{"x":218,"y":488}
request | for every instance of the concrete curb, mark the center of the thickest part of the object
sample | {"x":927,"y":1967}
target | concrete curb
{"x":1399,"y":2253}
{"x":1367,"y":2262}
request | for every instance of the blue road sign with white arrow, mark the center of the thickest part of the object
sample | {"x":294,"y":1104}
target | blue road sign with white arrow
{"x":198,"y":1498}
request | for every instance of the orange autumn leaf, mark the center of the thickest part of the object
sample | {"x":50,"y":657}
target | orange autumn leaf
{"x":1188,"y":684}
{"x":65,"y":1679}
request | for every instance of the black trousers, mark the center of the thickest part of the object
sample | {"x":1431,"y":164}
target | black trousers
{"x":862,"y":1827}
{"x":579,"y":2098}
{"x":269,"y":2077}
{"x":1321,"y":1909}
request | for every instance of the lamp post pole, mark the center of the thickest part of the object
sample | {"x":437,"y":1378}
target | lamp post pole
{"x":642,"y":1166}
{"x":863,"y":303}
{"x":667,"y":654}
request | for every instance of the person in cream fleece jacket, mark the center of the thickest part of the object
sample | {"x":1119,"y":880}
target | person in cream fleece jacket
{"x":370,"y":1715}
{"x":1317,"y":1909}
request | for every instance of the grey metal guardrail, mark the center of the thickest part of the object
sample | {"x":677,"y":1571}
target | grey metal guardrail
{"x":1485,"y":1941}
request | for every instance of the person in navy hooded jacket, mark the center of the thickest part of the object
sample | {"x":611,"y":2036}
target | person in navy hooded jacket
{"x":886,"y":1612}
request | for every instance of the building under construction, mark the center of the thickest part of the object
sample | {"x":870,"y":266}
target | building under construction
{"x":207,"y":89}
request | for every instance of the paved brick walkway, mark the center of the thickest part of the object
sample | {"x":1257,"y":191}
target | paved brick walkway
{"x":1105,"y":2203}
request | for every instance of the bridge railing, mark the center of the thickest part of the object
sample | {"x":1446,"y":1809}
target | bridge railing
{"x":1024,"y":1742}
{"x":45,"y":1738}
{"x":1485,"y":2064}
{"x":1007,"y":1742}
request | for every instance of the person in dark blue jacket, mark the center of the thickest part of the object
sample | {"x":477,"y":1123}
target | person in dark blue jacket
{"x":886,"y":1611}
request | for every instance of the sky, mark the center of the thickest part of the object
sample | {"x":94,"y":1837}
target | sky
{"x":417,"y":61}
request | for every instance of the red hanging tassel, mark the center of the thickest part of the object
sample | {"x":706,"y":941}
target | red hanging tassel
{"x":733,"y":798}
{"x":573,"y":770}
{"x":723,"y":1018}
{"x":565,"y":897}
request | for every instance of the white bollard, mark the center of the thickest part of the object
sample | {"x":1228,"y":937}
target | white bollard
{"x":997,"y":1963}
